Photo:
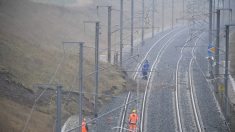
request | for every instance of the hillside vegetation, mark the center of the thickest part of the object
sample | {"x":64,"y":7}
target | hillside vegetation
{"x":32,"y":52}
{"x":31,"y":43}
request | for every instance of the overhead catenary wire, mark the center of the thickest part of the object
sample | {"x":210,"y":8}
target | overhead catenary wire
{"x":49,"y":83}
{"x":210,"y":88}
{"x":69,"y":90}
{"x":40,"y":95}
{"x":106,"y":113}
{"x":58,"y":66}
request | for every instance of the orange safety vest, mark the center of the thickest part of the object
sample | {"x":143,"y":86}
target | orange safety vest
{"x":133,"y":118}
{"x":84,"y":127}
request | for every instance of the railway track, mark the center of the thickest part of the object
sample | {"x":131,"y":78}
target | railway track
{"x":138,"y":67}
{"x":124,"y":113}
{"x":149,"y":81}
{"x":150,"y":78}
{"x":141,"y":110}
{"x":182,"y":126}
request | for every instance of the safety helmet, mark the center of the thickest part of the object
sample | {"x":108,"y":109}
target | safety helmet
{"x":133,"y":111}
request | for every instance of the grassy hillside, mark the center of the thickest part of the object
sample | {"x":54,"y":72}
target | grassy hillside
{"x":31,"y":37}
{"x":31,"y":43}
{"x":31,"y":52}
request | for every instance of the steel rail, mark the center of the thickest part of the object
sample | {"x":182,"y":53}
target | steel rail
{"x":124,"y":112}
{"x":147,"y":85}
{"x":176,"y":89}
{"x":192,"y":89}
{"x":211,"y":88}
{"x":139,"y":64}
{"x":150,"y":79}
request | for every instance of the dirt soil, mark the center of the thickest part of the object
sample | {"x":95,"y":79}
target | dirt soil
{"x":31,"y":52}
{"x":16,"y":102}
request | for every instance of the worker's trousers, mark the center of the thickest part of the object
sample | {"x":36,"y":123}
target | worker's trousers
{"x":132,"y":127}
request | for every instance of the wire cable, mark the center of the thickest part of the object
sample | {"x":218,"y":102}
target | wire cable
{"x":40,"y":95}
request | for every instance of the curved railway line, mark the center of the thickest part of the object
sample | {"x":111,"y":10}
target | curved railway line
{"x":147,"y":86}
{"x":166,"y":43}
{"x":162,"y":48}
{"x":191,"y":102}
{"x":191,"y":91}
{"x":150,"y":79}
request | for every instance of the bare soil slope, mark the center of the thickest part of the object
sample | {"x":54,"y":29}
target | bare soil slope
{"x":15,"y":101}
{"x":31,"y":52}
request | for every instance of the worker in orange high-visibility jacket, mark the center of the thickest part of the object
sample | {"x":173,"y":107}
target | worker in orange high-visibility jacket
{"x":84,"y":126}
{"x":133,"y":120}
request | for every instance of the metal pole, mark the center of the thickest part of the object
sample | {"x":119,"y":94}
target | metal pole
{"x":121,"y":30}
{"x":132,"y":25}
{"x":163,"y":15}
{"x":222,"y":12}
{"x":109,"y":33}
{"x":80,"y":82}
{"x":142,"y":29}
{"x":58,"y":109}
{"x":213,"y":14}
{"x":210,"y":21}
{"x":218,"y":4}
{"x":210,"y":33}
{"x":226,"y":71}
{"x":172,"y":15}
{"x":217,"y":48}
{"x":96,"y":66}
{"x":153,"y":22}
{"x":183,"y":11}
{"x":109,"y":54}
{"x":230,"y":16}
